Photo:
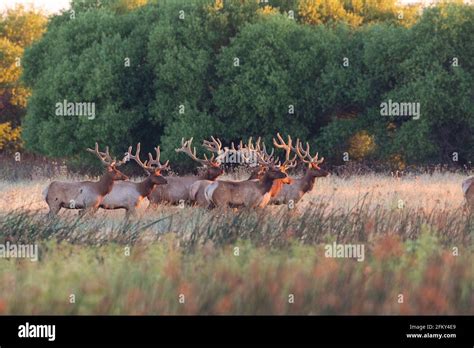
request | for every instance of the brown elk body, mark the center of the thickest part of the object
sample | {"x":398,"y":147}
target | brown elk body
{"x":128,"y":195}
{"x":249,"y":193}
{"x":299,"y":187}
{"x":249,"y":153}
{"x":178,"y":188}
{"x":85,"y":194}
{"x":468,"y":189}
{"x":197,"y":193}
{"x":197,"y":189}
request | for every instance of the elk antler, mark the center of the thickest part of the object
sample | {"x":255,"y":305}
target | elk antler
{"x":251,"y":151}
{"x":186,"y":148}
{"x":151,"y":165}
{"x":214,"y":146}
{"x":303,"y":154}
{"x":263,"y":157}
{"x":289,"y":163}
{"x":156,"y":162}
{"x":105,"y":157}
{"x":246,"y":150}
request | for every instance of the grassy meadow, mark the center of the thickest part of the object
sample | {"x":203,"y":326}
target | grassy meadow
{"x":416,"y":234}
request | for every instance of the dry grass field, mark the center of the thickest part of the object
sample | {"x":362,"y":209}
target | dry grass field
{"x":424,"y":192}
{"x":416,"y":234}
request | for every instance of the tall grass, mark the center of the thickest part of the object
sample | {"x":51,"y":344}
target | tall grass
{"x":248,"y":261}
{"x":259,"y":280}
{"x":276,"y":228}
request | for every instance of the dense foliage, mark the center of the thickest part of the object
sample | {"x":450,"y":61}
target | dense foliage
{"x":319,"y":70}
{"x":241,"y":263}
{"x":19,"y":27}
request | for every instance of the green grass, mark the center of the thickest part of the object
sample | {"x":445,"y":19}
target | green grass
{"x":257,"y":281}
{"x":191,"y":251}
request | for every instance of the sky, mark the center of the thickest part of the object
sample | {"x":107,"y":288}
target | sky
{"x":54,"y":6}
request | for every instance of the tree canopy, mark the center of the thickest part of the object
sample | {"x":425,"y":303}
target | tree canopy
{"x":319,"y":70}
{"x":19,"y":28}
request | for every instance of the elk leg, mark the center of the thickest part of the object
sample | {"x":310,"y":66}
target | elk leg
{"x":82,"y":212}
{"x":88,"y":211}
{"x":130,"y":212}
{"x":151,"y":206}
{"x":53,"y":210}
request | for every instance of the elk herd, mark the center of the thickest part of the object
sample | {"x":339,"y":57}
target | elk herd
{"x":268,"y":182}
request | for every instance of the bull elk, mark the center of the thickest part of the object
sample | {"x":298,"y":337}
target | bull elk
{"x":468,"y":189}
{"x":87,"y":195}
{"x":249,"y":193}
{"x":246,"y":152}
{"x":128,"y":195}
{"x":178,"y":188}
{"x":298,"y":187}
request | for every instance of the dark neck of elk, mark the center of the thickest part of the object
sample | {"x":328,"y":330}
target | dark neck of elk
{"x":307,"y":182}
{"x":105,"y":184}
{"x":146,"y":186}
{"x":266,"y":183}
{"x":211,"y":173}
{"x":277,"y":185}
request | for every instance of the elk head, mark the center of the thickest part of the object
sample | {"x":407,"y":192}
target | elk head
{"x":265,"y":161}
{"x":152,"y":166}
{"x":312,"y":161}
{"x":212,"y":165}
{"x":111,"y":164}
{"x":272,"y":167}
{"x":257,"y":173}
{"x":276,"y":172}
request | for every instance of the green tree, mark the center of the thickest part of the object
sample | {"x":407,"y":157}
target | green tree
{"x":439,"y":74}
{"x":427,"y":64}
{"x":116,"y":6}
{"x":19,"y":27}
{"x":183,"y":49}
{"x":356,"y":12}
{"x":233,"y":69}
{"x":271,"y":78}
{"x":95,"y":57}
